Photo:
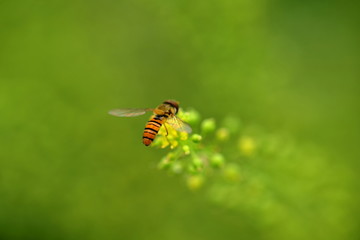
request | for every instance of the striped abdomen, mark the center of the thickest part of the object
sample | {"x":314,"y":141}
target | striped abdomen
{"x":151,"y":129}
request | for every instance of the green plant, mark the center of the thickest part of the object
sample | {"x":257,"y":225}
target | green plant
{"x":245,"y":168}
{"x":212,"y":150}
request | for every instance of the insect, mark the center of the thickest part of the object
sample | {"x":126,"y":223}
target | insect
{"x":164,"y":113}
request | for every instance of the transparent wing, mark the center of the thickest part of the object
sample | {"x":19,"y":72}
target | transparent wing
{"x":179,"y":125}
{"x":129,"y":112}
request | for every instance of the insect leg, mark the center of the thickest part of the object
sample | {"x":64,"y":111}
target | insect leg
{"x":167,"y":133}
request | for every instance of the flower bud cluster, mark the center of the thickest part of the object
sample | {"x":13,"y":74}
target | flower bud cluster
{"x":199,"y":155}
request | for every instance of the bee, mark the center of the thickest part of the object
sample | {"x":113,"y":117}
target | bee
{"x":164,"y":113}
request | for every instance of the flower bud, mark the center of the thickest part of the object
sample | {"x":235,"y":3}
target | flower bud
{"x":162,"y":141}
{"x":174,"y":144}
{"x":192,"y":116}
{"x":197,"y":162}
{"x":183,"y":136}
{"x":208,"y":125}
{"x":176,"y":168}
{"x":247,"y":146}
{"x":186,"y":149}
{"x":196,"y":138}
{"x":232,"y":173}
{"x":217,"y":160}
{"x":222,"y":134}
{"x":195,"y":182}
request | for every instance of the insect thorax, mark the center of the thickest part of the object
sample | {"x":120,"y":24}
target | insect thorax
{"x":165,"y":110}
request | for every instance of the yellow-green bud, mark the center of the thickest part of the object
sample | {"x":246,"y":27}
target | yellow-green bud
{"x":247,"y":146}
{"x":217,"y":160}
{"x":192,"y":117}
{"x":222,"y":134}
{"x":196,"y":138}
{"x":176,"y":168}
{"x":197,"y":162}
{"x":195,"y":182}
{"x":183,"y":136}
{"x":208,"y":125}
{"x":186,"y":149}
{"x":174,"y":144}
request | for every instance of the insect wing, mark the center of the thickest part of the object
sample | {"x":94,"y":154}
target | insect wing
{"x":129,"y":112}
{"x":179,"y":125}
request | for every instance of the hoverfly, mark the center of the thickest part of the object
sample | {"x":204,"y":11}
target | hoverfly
{"x":164,"y":113}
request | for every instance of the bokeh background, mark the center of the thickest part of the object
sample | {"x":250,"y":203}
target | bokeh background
{"x":70,"y":171}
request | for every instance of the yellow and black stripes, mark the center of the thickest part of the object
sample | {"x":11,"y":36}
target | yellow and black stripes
{"x":152,"y":128}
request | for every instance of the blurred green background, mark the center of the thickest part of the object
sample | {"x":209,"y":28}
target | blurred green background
{"x":70,"y":171}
